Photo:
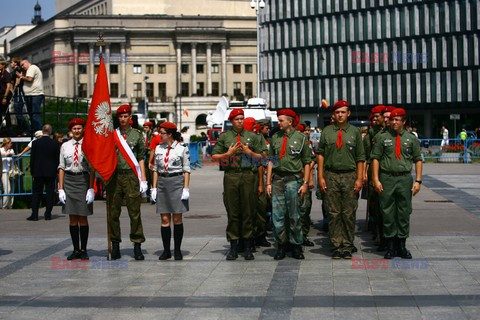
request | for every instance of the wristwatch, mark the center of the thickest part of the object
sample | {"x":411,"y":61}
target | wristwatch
{"x":418,"y":181}
{"x":305,"y":181}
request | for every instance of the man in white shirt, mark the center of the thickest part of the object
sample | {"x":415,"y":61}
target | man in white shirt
{"x":444,"y":133}
{"x":33,"y":92}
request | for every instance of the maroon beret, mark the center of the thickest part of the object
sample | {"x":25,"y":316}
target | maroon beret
{"x":340,"y":104}
{"x":124,"y":108}
{"x":168,"y":125}
{"x":301,"y":127}
{"x":76,"y":121}
{"x":378,"y":109}
{"x":287,"y":112}
{"x":249,"y":123}
{"x":398,"y":112}
{"x":148,"y":124}
{"x":389,"y":109}
{"x":235,"y":112}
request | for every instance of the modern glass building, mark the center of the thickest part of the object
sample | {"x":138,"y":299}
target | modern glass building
{"x":420,"y":55}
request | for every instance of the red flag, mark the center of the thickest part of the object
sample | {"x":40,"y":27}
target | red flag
{"x":98,"y":143}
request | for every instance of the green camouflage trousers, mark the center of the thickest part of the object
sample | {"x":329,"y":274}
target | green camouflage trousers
{"x":305,"y":209}
{"x":396,"y":205}
{"x":239,"y":200}
{"x":124,"y":185}
{"x":287,"y":226}
{"x":342,"y":203}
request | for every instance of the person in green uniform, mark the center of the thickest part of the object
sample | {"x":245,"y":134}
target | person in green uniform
{"x":125,"y":185}
{"x":340,"y":159}
{"x":288,"y":155}
{"x":394,"y":152}
{"x":238,"y":151}
{"x":264,"y":222}
{"x":147,"y":136}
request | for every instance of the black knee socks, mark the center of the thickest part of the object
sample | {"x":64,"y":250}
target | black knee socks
{"x":166,"y":233}
{"x":74,"y":236}
{"x":178,"y":235}
{"x":84,"y":236}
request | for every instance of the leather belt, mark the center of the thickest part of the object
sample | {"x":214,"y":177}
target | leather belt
{"x":341,"y":171}
{"x":166,"y":174}
{"x":396,"y":174}
{"x":71,"y":173}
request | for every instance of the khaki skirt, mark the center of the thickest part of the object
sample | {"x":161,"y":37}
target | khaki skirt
{"x":169,"y":195}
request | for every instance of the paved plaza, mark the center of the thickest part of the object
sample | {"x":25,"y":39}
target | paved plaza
{"x":442,"y":282}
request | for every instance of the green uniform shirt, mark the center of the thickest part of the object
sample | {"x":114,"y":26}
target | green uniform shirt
{"x":384,"y":151}
{"x":239,"y":160}
{"x":345,"y":158}
{"x":297,"y":153}
{"x":368,"y":141}
{"x":136,"y":143}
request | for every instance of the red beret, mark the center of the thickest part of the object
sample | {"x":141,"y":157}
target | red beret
{"x":296,"y":121}
{"x":258,"y":127}
{"x":74,"y":122}
{"x":249,"y":123}
{"x":398,"y":112}
{"x":130,"y":122}
{"x":388,"y":109}
{"x":235,"y":112}
{"x":124,"y":108}
{"x":340,"y":104}
{"x":378,"y":109}
{"x":287,"y":112}
{"x":168,"y":125}
{"x":301,"y":127}
{"x":148,"y":124}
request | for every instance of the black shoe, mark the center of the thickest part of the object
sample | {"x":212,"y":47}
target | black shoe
{"x":280,"y":254}
{"x":84,"y":255}
{"x":32,"y":218}
{"x":116,"y":251}
{"x":347,"y":255}
{"x":390,"y":254}
{"x":166,"y":254}
{"x":75,"y":255}
{"x":354,"y":249}
{"x":288,"y":247}
{"x":232,"y":254}
{"x":297,"y":252}
{"x":249,"y":250}
{"x":137,"y":252}
{"x":262,"y":242}
{"x":241,"y":246}
{"x":48,"y":217}
{"x":307,"y":242}
{"x":178,"y":255}
{"x":337,"y":255}
{"x":403,"y":252}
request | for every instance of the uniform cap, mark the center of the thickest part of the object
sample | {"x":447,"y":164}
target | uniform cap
{"x":398,"y":112}
{"x":378,"y":109}
{"x":388,"y":109}
{"x":74,"y":122}
{"x":301,"y":127}
{"x":235,"y":112}
{"x":124,"y":108}
{"x":249,"y":123}
{"x":340,"y":104}
{"x":148,"y":124}
{"x":168,"y":125}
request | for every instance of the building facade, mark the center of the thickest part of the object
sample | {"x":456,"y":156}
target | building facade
{"x":181,"y":55}
{"x":420,"y":55}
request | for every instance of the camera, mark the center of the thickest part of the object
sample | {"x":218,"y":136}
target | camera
{"x":19,"y":69}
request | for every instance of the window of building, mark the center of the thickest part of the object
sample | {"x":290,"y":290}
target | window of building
{"x":149,"y":68}
{"x":137,"y":68}
{"x":249,"y":68}
{"x":82,"y":69}
{"x":137,"y":91}
{"x":249,"y":89}
{"x":82,"y":90}
{"x":237,"y":89}
{"x":199,"y":68}
{"x":200,"y":89}
{"x":150,"y":94}
{"x":184,"y":68}
{"x":162,"y":91}
{"x":113,"y":90}
{"x":162,"y":68}
{"x":96,"y":68}
{"x":237,"y":68}
{"x":214,"y":68}
{"x":114,"y":68}
{"x":185,"y":89}
{"x":215,"y":89}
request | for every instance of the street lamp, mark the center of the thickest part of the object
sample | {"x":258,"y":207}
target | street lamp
{"x":145,"y":78}
{"x":257,"y":5}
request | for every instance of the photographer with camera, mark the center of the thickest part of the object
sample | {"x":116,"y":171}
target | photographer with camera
{"x":5,"y":90}
{"x":33,"y":91}
{"x":18,"y":97}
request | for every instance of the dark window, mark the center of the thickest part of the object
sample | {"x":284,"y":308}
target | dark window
{"x":137,"y":91}
{"x":200,"y":89}
{"x":248,"y":68}
{"x":149,"y":68}
{"x":82,"y":90}
{"x":82,"y":69}
{"x":249,"y":89}
{"x":114,"y":68}
{"x":199,"y":68}
{"x":96,"y":68}
{"x":150,"y":93}
{"x":113,"y":90}
{"x":162,"y":68}
{"x":162,"y":91}
{"x":237,"y":68}
{"x":237,"y":89}
{"x":184,"y":68}
{"x":185,"y":89}
{"x":215,"y":89}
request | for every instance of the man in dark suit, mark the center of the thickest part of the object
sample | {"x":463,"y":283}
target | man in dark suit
{"x":43,"y":165}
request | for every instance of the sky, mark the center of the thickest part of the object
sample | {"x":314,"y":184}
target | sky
{"x":21,"y":11}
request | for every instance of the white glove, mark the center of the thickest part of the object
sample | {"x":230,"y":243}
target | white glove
{"x":143,"y":186}
{"x":61,"y":196}
{"x":185,"y":194}
{"x":153,"y":195}
{"x":90,"y":196}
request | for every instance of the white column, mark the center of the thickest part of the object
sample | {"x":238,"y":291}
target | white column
{"x":75,"y":70}
{"x":224,"y":69}
{"x":209,"y":69}
{"x":194,"y":69}
{"x":91,"y":69}
{"x":179,"y":68}
{"x":123,"y":58}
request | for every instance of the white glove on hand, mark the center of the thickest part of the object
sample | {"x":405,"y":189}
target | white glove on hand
{"x":143,"y":186}
{"x":90,"y":196}
{"x":185,"y":194}
{"x":61,"y":196}
{"x":153,"y":195}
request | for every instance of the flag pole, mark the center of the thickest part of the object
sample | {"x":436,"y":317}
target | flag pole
{"x":100,"y":43}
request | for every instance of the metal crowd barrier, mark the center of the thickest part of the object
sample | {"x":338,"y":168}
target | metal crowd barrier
{"x":451,"y":150}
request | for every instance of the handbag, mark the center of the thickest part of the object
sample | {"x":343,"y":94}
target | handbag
{"x":14,"y":172}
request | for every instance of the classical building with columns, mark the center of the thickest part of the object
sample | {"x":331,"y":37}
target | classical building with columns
{"x":182,"y":55}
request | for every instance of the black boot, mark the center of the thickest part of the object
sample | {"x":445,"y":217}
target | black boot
{"x":137,"y":252}
{"x":233,"y":253}
{"x":84,"y":239}
{"x":396,"y":246}
{"x":403,"y":252}
{"x":241,"y":245}
{"x":280,"y":254}
{"x":76,"y":245}
{"x":177,"y":239}
{"x":383,"y":246}
{"x":248,"y":250}
{"x":166,"y":233}
{"x":116,"y":251}
{"x":297,"y":252}
{"x":262,"y":242}
{"x":390,"y":248}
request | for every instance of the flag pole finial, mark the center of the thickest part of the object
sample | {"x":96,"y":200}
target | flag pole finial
{"x":100,"y":42}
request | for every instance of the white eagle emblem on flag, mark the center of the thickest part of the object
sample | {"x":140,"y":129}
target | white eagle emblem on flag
{"x":104,"y":125}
